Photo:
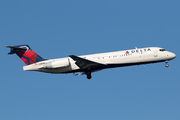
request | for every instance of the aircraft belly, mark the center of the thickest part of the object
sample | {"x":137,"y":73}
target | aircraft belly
{"x":55,"y":70}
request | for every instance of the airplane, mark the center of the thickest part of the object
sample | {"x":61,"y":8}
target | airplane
{"x":86,"y":64}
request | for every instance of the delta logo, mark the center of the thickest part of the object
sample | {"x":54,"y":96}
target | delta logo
{"x":126,"y":52}
{"x":140,"y":50}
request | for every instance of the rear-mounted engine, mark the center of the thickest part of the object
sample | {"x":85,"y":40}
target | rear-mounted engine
{"x":57,"y":64}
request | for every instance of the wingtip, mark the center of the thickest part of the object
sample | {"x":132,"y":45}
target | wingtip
{"x":70,"y":55}
{"x":8,"y":46}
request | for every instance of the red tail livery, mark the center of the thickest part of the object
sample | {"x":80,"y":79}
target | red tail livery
{"x":26,"y":54}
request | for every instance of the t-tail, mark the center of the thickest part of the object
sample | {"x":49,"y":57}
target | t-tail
{"x":26,"y":54}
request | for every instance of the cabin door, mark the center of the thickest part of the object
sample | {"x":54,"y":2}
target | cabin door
{"x":155,"y":53}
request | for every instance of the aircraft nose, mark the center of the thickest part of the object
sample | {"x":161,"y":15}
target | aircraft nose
{"x":172,"y":55}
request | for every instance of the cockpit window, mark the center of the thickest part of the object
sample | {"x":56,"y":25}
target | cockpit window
{"x":162,"y":50}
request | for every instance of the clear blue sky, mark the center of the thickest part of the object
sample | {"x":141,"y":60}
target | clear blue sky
{"x":57,"y":28}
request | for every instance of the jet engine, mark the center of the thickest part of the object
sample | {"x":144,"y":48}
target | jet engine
{"x":57,"y":64}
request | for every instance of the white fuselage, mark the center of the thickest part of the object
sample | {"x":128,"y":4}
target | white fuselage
{"x":110,"y":60}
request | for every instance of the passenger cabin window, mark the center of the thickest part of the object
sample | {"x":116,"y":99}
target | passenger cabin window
{"x":162,"y":50}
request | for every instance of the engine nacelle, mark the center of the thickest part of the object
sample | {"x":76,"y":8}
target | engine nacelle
{"x":57,"y":64}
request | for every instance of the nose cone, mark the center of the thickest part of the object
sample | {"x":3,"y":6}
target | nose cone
{"x":172,"y":55}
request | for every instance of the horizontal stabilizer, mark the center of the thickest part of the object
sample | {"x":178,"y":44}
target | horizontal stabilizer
{"x":16,"y":49}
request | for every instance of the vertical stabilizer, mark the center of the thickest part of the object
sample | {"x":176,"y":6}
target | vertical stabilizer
{"x":27,"y":55}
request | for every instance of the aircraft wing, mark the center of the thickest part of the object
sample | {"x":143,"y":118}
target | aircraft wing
{"x":85,"y":64}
